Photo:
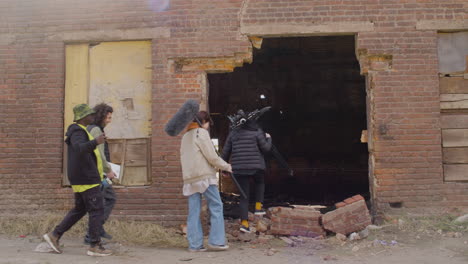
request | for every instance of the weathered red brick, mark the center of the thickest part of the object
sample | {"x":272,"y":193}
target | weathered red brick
{"x":347,"y":219}
{"x":406,"y":96}
{"x":294,"y":221}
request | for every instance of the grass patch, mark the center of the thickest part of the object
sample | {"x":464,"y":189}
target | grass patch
{"x":127,"y":232}
{"x":432,"y":223}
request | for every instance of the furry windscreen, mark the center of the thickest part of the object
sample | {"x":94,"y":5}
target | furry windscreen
{"x":182,"y":118}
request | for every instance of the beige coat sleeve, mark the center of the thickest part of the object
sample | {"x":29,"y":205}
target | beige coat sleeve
{"x":96,"y":132}
{"x":207,"y":149}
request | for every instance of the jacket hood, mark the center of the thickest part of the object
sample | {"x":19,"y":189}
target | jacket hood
{"x":71,"y":129}
{"x":251,"y":125}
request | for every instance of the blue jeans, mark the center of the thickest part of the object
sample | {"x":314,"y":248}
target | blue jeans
{"x":194,"y":227}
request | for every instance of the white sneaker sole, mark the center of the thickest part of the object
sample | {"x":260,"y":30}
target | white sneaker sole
{"x":94,"y":254}
{"x":197,"y":250}
{"x":245,"y":231}
{"x":49,"y":241}
{"x":218,"y":248}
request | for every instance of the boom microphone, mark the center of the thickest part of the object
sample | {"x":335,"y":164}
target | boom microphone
{"x":182,"y":118}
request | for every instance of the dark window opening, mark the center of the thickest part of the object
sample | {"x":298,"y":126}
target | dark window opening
{"x":318,"y":112}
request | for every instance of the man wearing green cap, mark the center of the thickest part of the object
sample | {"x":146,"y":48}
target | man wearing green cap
{"x":85,"y":174}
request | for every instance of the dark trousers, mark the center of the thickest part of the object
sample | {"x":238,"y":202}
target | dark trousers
{"x":244,"y":182}
{"x":91,"y":202}
{"x":109,"y":202}
{"x":108,"y":195}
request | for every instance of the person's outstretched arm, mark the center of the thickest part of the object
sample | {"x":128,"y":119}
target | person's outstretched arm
{"x":208,"y":151}
{"x":264,"y":143}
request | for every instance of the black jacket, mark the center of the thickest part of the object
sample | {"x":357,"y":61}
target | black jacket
{"x":246,"y":146}
{"x":82,"y":164}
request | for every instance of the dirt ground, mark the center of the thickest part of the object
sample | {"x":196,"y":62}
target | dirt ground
{"x":387,"y":245}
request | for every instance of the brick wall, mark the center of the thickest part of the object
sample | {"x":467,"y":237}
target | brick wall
{"x":404,"y":114}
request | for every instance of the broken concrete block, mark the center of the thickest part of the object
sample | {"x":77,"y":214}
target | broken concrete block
{"x":341,"y":237}
{"x":262,"y":226}
{"x":353,"y":217}
{"x":288,"y":241}
{"x":364,"y":233}
{"x":461,"y":219}
{"x":354,"y":236}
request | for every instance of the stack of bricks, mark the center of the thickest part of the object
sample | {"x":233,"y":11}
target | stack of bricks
{"x":350,"y":216}
{"x":299,"y":221}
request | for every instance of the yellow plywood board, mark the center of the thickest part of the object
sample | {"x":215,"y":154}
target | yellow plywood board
{"x":120,"y":75}
{"x":76,"y":79}
{"x":76,"y":88}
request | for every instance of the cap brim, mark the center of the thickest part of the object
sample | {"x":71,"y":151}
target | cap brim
{"x":85,"y":114}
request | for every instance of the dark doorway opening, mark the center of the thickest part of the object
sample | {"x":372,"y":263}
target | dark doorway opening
{"x":318,"y":112}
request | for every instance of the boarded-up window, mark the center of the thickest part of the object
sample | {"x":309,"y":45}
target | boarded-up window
{"x":453,"y":56}
{"x":119,"y":74}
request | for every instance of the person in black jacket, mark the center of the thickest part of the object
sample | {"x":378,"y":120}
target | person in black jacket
{"x":84,"y":169}
{"x":245,"y":146}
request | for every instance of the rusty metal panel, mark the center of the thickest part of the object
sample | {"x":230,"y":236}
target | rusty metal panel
{"x":452,"y":52}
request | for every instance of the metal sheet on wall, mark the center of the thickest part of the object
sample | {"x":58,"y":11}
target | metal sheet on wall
{"x":452,"y":52}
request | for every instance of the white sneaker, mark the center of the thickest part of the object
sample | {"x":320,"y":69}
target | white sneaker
{"x":245,"y":229}
{"x":217,"y":247}
{"x":98,"y":251}
{"x":202,"y":249}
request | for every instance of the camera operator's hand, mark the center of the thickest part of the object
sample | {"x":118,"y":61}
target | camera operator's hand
{"x":226,"y":174}
{"x":101,"y":139}
{"x":267,"y":135}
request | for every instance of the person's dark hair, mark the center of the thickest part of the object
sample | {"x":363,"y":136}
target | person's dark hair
{"x":203,"y":116}
{"x":101,"y":110}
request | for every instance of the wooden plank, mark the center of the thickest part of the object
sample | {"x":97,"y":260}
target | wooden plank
{"x":135,"y":176}
{"x":454,"y":101}
{"x":453,"y":85}
{"x":116,"y":150}
{"x":455,"y":137}
{"x":364,"y":135}
{"x":136,"y":154}
{"x":454,"y":120}
{"x":455,"y":155}
{"x":456,"y":172}
{"x":134,"y":157}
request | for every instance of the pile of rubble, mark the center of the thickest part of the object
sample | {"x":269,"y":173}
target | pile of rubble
{"x":350,"y":218}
